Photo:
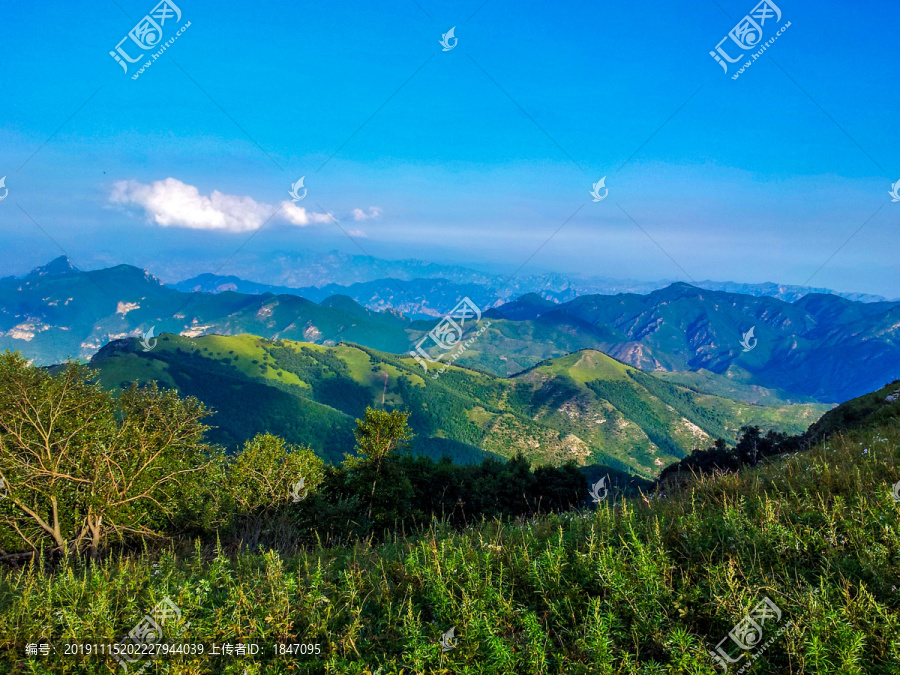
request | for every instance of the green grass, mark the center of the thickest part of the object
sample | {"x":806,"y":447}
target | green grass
{"x":646,"y":586}
{"x":124,"y":367}
{"x":588,"y":365}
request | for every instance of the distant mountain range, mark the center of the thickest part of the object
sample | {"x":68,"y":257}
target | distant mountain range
{"x":585,"y":407}
{"x":416,"y":288}
{"x":417,"y":298}
{"x":822,"y":347}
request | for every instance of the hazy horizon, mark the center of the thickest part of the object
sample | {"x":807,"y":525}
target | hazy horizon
{"x":171,"y":277}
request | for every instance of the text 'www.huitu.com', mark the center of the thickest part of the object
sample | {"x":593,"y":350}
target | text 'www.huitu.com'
{"x":764,"y":47}
{"x":159,"y":53}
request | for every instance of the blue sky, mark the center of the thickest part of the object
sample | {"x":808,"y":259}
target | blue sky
{"x":762,"y":178}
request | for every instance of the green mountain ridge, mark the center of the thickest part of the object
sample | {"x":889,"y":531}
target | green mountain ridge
{"x":584,"y":407}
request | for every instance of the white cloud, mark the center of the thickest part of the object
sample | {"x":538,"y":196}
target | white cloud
{"x":356,"y":232}
{"x":171,"y":203}
{"x":359,"y":214}
{"x":297,"y":215}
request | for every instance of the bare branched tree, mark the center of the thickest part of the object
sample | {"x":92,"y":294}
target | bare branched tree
{"x":82,"y":467}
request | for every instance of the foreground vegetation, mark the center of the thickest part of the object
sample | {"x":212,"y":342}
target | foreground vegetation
{"x":643,"y":586}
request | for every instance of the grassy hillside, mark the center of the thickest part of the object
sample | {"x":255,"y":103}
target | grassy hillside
{"x":610,"y":405}
{"x":585,"y":407}
{"x":865,"y":412}
{"x":644,"y":586}
{"x":511,"y":346}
